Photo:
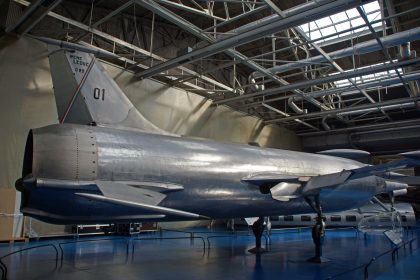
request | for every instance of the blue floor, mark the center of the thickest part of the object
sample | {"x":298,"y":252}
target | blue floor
{"x":227,"y":257}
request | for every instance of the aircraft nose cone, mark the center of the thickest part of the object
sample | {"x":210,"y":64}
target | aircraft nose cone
{"x":23,"y":183}
{"x":19,"y":184}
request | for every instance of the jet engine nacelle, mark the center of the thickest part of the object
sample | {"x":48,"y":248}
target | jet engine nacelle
{"x":61,"y":152}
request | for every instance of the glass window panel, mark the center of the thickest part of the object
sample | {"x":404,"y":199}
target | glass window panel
{"x":376,"y":24}
{"x":335,"y":218}
{"x":360,"y":29}
{"x":288,"y":218}
{"x":312,"y":25}
{"x":315,"y":35}
{"x":323,"y":22}
{"x":357,"y":22}
{"x":373,"y":6}
{"x":374,"y":16}
{"x":305,"y":218}
{"x":351,"y":218}
{"x":305,"y":27}
{"x":339,"y":17}
{"x":343,"y":26}
{"x":328,"y":31}
{"x":353,"y":13}
{"x":328,"y":26}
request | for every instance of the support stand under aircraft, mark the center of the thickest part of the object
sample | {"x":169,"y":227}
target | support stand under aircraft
{"x":258,"y":230}
{"x":318,"y":230}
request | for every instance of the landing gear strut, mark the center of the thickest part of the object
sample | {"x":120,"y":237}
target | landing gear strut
{"x":258,"y":229}
{"x":318,"y":231}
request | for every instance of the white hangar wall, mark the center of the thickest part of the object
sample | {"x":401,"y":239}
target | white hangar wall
{"x":189,"y":114}
{"x":27,"y":101}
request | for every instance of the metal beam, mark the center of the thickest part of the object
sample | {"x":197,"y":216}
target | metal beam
{"x":39,"y":16}
{"x":368,"y":127}
{"x":287,"y":115}
{"x":319,"y":50}
{"x":396,"y":27}
{"x":113,"y":13}
{"x":32,"y":15}
{"x":378,"y":106}
{"x":384,"y":50}
{"x":375,"y":140}
{"x":358,"y":49}
{"x":170,"y":16}
{"x":125,"y":44}
{"x":344,"y":91}
{"x":328,"y":79}
{"x":297,"y":18}
{"x":26,"y":13}
{"x":132,"y":63}
{"x":190,"y":9}
{"x":175,"y":19}
{"x":235,"y":18}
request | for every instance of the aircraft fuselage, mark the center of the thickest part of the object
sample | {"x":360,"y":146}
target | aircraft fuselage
{"x":66,"y":159}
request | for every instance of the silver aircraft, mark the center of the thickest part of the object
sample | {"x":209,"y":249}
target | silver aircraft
{"x":105,"y":163}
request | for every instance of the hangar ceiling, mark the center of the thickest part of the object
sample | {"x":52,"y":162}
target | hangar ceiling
{"x":340,"y":73}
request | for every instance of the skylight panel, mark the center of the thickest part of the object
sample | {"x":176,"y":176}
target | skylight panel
{"x":349,"y":19}
{"x":343,"y":26}
{"x":323,"y":22}
{"x":367,"y":78}
{"x":373,"y":17}
{"x":352,"y":13}
{"x":339,"y":17}
{"x":348,"y":22}
{"x":328,"y":31}
{"x":315,"y":35}
{"x":357,"y":22}
{"x":313,"y":25}
{"x":370,"y":7}
{"x":305,"y":27}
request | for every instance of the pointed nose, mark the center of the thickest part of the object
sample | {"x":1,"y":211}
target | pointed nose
{"x":19,"y":184}
{"x":24,"y":183}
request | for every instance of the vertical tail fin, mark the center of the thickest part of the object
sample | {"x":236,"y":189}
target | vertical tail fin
{"x":85,"y":93}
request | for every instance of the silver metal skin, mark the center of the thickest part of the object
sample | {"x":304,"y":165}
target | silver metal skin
{"x":72,"y":159}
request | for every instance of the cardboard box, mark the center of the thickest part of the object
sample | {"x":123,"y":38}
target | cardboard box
{"x":7,"y":211}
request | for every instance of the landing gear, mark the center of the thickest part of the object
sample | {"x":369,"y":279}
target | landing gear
{"x":258,"y":229}
{"x":318,"y":231}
